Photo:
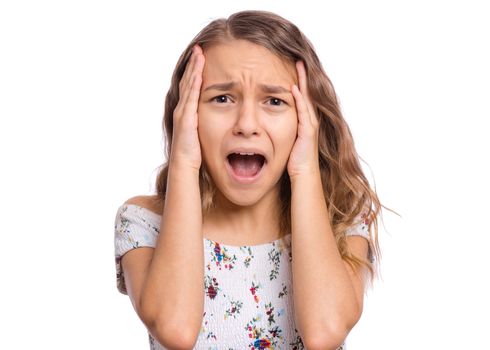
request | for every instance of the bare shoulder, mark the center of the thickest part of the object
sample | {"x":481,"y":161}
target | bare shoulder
{"x":153,"y":203}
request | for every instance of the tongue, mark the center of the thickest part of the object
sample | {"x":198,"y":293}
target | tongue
{"x":245,"y":165}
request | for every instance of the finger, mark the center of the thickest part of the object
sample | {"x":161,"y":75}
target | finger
{"x":302,"y":108}
{"x":187,"y":76}
{"x":303,"y":87}
{"x":196,"y":51}
{"x":302,"y":80}
{"x":187,"y":84}
{"x":197,"y":71}
{"x":195,"y":88}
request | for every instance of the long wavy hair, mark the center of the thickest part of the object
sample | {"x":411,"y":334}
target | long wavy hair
{"x":348,"y":195}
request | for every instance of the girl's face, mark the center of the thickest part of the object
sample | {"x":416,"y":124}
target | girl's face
{"x":246,"y":105}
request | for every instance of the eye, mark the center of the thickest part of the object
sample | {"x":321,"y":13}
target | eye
{"x":220,"y":99}
{"x":276,"y":101}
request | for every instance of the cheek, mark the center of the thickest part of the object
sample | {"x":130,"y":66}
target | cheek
{"x":284,"y":136}
{"x":291,"y":131}
{"x":204,"y":132}
{"x":204,"y":125}
{"x":291,"y":138}
{"x":210,"y":135}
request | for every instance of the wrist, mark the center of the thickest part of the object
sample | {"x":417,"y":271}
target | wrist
{"x":308,"y":178}
{"x":180,"y":166}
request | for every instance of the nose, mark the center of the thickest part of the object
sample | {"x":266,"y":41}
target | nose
{"x":247,"y":122}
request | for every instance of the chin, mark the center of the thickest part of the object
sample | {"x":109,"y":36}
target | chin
{"x":242,"y":198}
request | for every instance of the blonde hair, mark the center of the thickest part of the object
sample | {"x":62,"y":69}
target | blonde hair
{"x":347,"y":192}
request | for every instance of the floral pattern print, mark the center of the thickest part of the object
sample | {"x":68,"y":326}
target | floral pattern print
{"x":248,"y":289}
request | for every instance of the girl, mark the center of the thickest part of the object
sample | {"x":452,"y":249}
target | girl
{"x":263,"y":231}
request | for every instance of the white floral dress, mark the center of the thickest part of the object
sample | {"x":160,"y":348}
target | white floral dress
{"x":248,"y":289}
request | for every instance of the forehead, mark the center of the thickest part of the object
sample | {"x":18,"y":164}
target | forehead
{"x":243,"y":60}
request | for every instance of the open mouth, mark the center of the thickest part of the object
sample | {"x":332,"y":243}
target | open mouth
{"x":246,"y":165}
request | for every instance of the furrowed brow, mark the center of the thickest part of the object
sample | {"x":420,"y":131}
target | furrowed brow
{"x":221,"y":86}
{"x":270,"y":89}
{"x":274,"y":89}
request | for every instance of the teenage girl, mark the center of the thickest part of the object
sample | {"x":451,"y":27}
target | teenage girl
{"x":263,"y":231}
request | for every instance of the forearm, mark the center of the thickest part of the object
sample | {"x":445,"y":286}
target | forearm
{"x":173,"y":294}
{"x":324,"y":297}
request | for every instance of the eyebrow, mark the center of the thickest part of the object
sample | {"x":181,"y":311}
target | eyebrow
{"x":271,"y":89}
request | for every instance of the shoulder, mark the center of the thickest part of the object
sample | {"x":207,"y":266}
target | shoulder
{"x":152,"y":203}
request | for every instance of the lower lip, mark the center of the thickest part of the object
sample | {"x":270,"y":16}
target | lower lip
{"x":244,"y":179}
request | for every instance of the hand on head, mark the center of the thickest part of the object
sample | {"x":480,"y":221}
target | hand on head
{"x":186,"y":150}
{"x":304,"y":154}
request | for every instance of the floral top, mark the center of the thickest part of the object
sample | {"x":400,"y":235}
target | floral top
{"x":248,"y":289}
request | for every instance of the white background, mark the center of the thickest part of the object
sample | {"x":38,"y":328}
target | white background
{"x":82,"y":87}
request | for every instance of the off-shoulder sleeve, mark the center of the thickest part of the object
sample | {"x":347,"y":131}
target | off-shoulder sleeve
{"x":133,"y":228}
{"x":361,"y":228}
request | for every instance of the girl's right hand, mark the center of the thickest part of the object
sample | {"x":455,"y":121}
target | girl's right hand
{"x":186,"y":148}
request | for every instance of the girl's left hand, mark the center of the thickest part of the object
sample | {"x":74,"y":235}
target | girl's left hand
{"x":303,"y":158}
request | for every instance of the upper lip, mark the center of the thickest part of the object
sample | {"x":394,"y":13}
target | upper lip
{"x":247,"y":150}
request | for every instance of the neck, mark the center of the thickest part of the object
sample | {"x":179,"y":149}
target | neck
{"x":254,"y":224}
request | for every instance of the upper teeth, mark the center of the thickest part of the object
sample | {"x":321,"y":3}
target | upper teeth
{"x":245,"y":153}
